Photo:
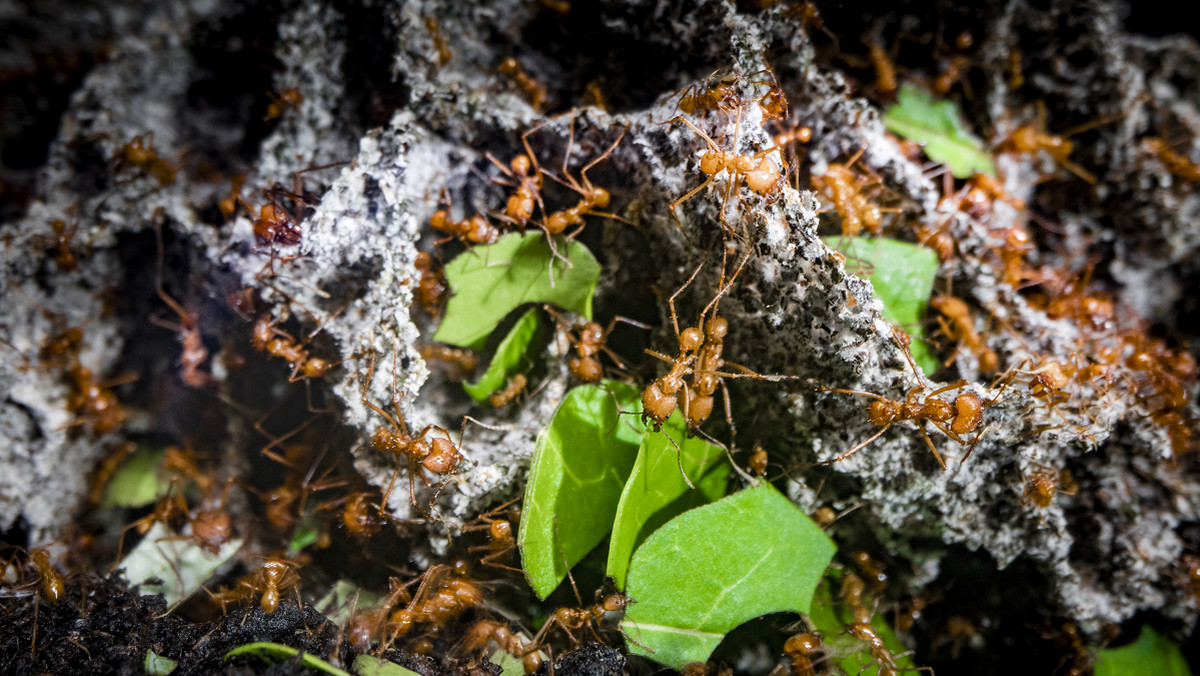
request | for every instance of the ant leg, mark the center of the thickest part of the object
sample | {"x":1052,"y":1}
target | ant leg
{"x":947,"y":388}
{"x":671,"y":300}
{"x":860,"y":446}
{"x":583,"y":172}
{"x":838,"y":389}
{"x":929,"y":443}
{"x":681,"y":200}
{"x":679,"y":451}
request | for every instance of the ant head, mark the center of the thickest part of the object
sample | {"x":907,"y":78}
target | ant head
{"x":591,"y":333}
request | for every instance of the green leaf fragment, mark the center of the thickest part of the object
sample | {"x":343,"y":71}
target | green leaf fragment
{"x":369,"y":665}
{"x":136,"y":482}
{"x":656,"y":491}
{"x":336,"y":605}
{"x":902,"y":275}
{"x":579,"y":467}
{"x":1149,"y":654}
{"x":717,"y":566}
{"x":510,"y":665}
{"x":157,"y":665}
{"x":937,"y":126}
{"x":488,"y":282}
{"x":171,"y":565}
{"x":510,"y":359}
{"x":277,"y":652}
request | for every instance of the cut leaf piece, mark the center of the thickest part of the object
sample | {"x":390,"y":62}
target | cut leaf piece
{"x":1149,"y":654}
{"x":157,"y":665}
{"x":510,"y":359}
{"x":336,"y":605}
{"x":656,"y":491}
{"x":902,"y":274}
{"x":715,"y":567}
{"x":277,"y":652}
{"x":580,"y":464}
{"x":491,"y":281}
{"x":853,"y":655}
{"x":167,"y":564}
{"x":936,"y":125}
{"x":136,"y":482}
{"x":369,"y":665}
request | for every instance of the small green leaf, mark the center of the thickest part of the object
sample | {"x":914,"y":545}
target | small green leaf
{"x":136,"y":482}
{"x":157,"y":665}
{"x":580,"y":464}
{"x":491,"y":281}
{"x":936,"y":125}
{"x":1149,"y":654}
{"x":510,"y":665}
{"x":510,"y":357}
{"x":277,"y":652}
{"x":656,"y":491}
{"x":717,"y":566}
{"x":178,"y":564}
{"x":369,"y":665}
{"x":335,"y":605}
{"x":903,"y":279}
{"x":853,"y":655}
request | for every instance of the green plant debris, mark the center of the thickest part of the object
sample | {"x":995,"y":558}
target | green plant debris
{"x":656,"y":491}
{"x":937,"y":126}
{"x":902,"y":274}
{"x":277,"y":652}
{"x":488,"y":282}
{"x":345,"y":595}
{"x":717,"y":566}
{"x":136,"y":482}
{"x":369,"y":665}
{"x":173,"y":565}
{"x":853,"y":655}
{"x":1149,"y":654}
{"x":511,"y":357}
{"x":510,"y":665}
{"x":157,"y":665}
{"x":306,"y":532}
{"x":580,"y":465}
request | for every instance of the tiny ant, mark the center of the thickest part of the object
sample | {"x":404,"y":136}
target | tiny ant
{"x":589,"y":341}
{"x":591,"y":196}
{"x":720,"y":96}
{"x":276,"y":342}
{"x":804,"y":650}
{"x":511,"y":390}
{"x":64,"y":256}
{"x":1043,"y":483}
{"x":50,"y":580}
{"x":864,"y":631}
{"x":439,"y":41}
{"x":475,"y":230}
{"x":959,"y":326}
{"x":271,"y":577}
{"x":886,"y":82}
{"x":362,"y":517}
{"x":502,"y":539}
{"x":459,"y":361}
{"x":1033,"y":138}
{"x":952,"y":70}
{"x":288,"y":99}
{"x":526,"y":179}
{"x":1177,"y":163}
{"x":576,"y":619}
{"x":140,"y":153}
{"x":435,"y":602}
{"x":956,"y":419}
{"x":876,"y":576}
{"x":194,"y":354}
{"x":437,"y":455}
{"x":534,"y":91}
{"x":431,"y":287}
{"x":845,"y":189}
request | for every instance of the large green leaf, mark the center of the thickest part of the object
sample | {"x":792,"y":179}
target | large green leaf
{"x":1149,"y":654}
{"x":717,"y":566}
{"x":902,"y":275}
{"x":277,"y":652}
{"x":491,"y":281}
{"x":136,"y":482}
{"x":936,"y":125}
{"x":580,"y":464}
{"x":656,"y":491}
{"x":510,"y":357}
{"x":853,"y":655}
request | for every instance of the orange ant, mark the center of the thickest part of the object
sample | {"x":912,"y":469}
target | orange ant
{"x":886,"y":82}
{"x":1033,"y":138}
{"x":1043,"y":483}
{"x":952,"y":70}
{"x":846,"y":190}
{"x":271,"y":577}
{"x":1177,"y":163}
{"x":459,"y":361}
{"x":361,"y":516}
{"x":764,"y":178}
{"x":576,"y":619}
{"x":956,"y":419}
{"x":534,"y":91}
{"x":437,"y":455}
{"x":288,"y":99}
{"x":475,"y":230}
{"x":502,"y":539}
{"x":589,"y":340}
{"x":431,"y":287}
{"x":274,"y":224}
{"x":591,"y":196}
{"x":525,"y":177}
{"x":804,"y":651}
{"x":759,"y":461}
{"x":875,"y":573}
{"x":865,"y":631}
{"x":279,"y":343}
{"x":511,"y":390}
{"x":53,"y":587}
{"x":441,"y":597}
{"x":60,"y":242}
{"x":141,"y":154}
{"x":194,"y":353}
{"x":719,"y":96}
{"x":439,"y":41}
{"x":229,"y":204}
{"x":478,"y":636}
{"x":959,"y":327}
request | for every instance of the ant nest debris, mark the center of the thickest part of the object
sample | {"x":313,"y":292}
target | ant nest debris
{"x":1058,"y":433}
